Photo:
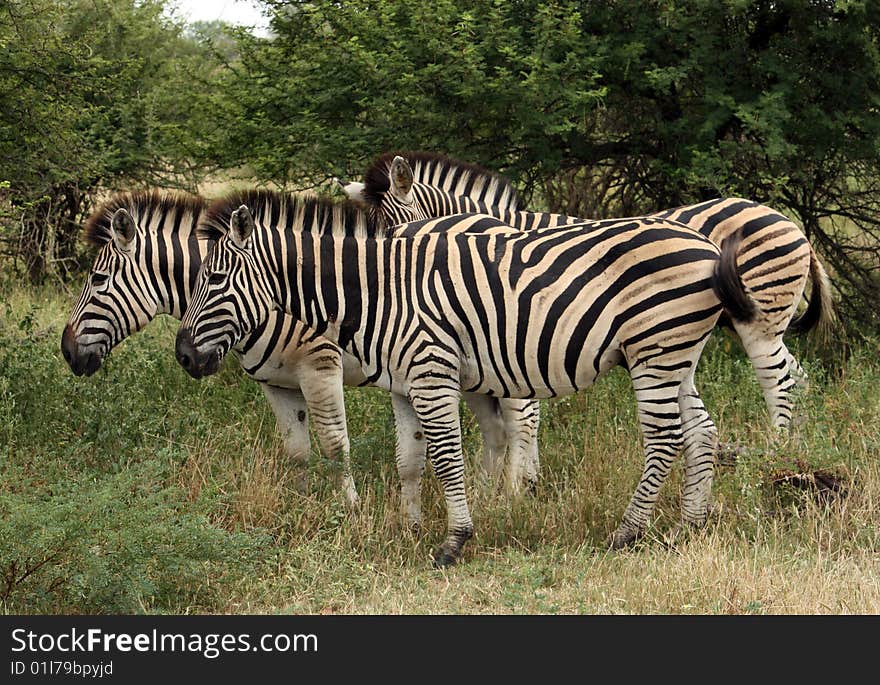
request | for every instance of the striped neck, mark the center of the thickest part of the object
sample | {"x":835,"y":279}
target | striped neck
{"x":330,"y":282}
{"x":170,"y":257}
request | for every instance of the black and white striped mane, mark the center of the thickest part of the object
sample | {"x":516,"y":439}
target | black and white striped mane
{"x":140,"y":204}
{"x":450,"y":175}
{"x":319,"y":215}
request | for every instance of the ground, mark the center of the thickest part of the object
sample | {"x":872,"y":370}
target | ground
{"x":142,"y":490}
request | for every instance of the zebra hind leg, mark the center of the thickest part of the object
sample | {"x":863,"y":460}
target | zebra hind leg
{"x":771,"y":361}
{"x":437,"y":410}
{"x":660,"y":421}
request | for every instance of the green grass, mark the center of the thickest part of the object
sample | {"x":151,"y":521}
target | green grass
{"x":141,"y":490}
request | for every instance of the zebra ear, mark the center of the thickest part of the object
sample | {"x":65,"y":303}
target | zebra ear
{"x":400,"y":174}
{"x":123,"y":229}
{"x":241,"y":225}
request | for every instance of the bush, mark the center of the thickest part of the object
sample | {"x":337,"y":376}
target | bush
{"x":91,"y":518}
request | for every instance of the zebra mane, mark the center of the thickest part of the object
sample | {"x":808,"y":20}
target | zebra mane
{"x":96,"y":229}
{"x":308,"y":212}
{"x":439,"y":171}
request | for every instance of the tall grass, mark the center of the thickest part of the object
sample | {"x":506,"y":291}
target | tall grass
{"x":141,"y":490}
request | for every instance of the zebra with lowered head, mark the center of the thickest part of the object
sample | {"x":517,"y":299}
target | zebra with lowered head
{"x":469,"y":303}
{"x":147,"y":265}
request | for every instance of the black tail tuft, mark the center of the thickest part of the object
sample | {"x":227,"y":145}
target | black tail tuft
{"x":728,"y":285}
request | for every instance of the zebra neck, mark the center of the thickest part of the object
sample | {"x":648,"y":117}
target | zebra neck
{"x":332,"y":283}
{"x":172,"y":261}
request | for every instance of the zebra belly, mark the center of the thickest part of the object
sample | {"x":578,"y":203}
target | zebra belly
{"x":542,"y":371}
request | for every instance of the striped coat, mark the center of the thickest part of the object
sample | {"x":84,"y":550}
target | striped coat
{"x":774,"y":258}
{"x":469,"y":303}
{"x":147,"y":265}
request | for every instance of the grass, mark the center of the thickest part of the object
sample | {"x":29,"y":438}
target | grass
{"x":141,"y":490}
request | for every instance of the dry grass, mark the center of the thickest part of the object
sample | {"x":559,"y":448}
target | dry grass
{"x":767,"y":549}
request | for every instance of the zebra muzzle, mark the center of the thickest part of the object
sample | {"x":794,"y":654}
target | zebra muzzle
{"x":197,"y":363}
{"x":81,"y":362}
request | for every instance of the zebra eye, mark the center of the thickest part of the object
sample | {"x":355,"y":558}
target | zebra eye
{"x":99,"y":279}
{"x":216,"y":278}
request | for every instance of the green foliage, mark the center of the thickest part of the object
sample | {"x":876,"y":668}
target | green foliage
{"x":342,"y":82}
{"x":93,"y":520}
{"x":98,"y":94}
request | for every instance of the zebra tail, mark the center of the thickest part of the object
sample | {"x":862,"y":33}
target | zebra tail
{"x":820,"y":309}
{"x":728,"y":285}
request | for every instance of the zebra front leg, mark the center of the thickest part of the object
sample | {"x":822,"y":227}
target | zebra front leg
{"x":700,"y":448}
{"x":410,"y":457}
{"x":292,"y":425}
{"x":488,"y":413}
{"x":660,"y":421}
{"x":437,"y":409}
{"x":325,"y":396}
{"x":521,"y":423}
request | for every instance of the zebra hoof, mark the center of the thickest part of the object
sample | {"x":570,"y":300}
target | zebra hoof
{"x":623,"y":537}
{"x":450,"y":551}
{"x":444,"y":558}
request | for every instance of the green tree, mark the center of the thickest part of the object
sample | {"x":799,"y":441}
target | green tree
{"x":97,"y":94}
{"x":594,"y":108}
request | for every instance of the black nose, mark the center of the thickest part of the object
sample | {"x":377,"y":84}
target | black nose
{"x":68,"y":344}
{"x":80,"y":362}
{"x":196,"y":363}
{"x":184,"y":349}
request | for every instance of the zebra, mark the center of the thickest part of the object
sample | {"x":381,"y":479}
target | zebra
{"x":469,"y":303}
{"x":774,"y":256}
{"x":147,"y":265}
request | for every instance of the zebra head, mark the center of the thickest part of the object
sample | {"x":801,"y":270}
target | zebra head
{"x":231,"y":300}
{"x":116,"y":300}
{"x":395,"y":202}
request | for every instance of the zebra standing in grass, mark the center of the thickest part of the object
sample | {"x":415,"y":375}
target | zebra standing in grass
{"x":147,"y":265}
{"x":774,"y":257}
{"x":468,"y":303}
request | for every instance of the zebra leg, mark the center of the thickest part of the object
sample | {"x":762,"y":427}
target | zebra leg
{"x":660,"y":421}
{"x":325,"y":397}
{"x":437,"y":409}
{"x":488,"y":412}
{"x":772,"y":363}
{"x":700,"y":447}
{"x":292,"y":425}
{"x":521,"y":422}
{"x":410,"y":457}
